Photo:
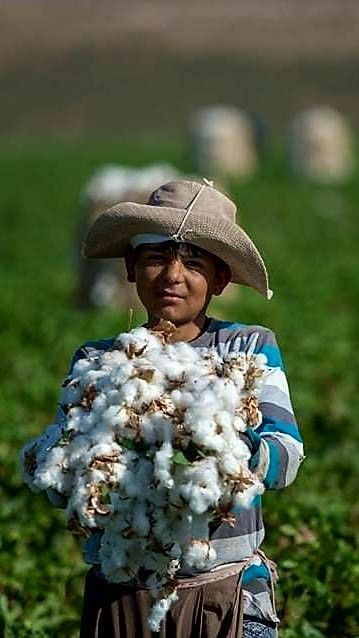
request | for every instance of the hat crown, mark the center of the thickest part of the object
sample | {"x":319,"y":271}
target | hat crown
{"x":180,"y":194}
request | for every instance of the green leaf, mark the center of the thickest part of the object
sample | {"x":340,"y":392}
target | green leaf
{"x":180,"y":459}
{"x":105,"y":493}
{"x":288,"y":564}
{"x":131,"y":444}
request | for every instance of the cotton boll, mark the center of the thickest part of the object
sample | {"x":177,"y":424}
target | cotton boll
{"x":159,"y":611}
{"x":238,"y":448}
{"x":151,"y":392}
{"x":207,"y":401}
{"x":74,"y":418}
{"x":200,"y":486}
{"x":114,"y":359}
{"x":121,"y":375}
{"x":238,"y":360}
{"x":136,"y":482}
{"x":198,"y":422}
{"x":52,"y":477}
{"x":50,"y":472}
{"x":122,"y":506}
{"x":81,"y":367}
{"x":173,"y":568}
{"x":246,"y":497}
{"x":205,"y":435}
{"x":160,"y":527}
{"x":108,"y":450}
{"x":226,"y":393}
{"x":172,"y":369}
{"x":148,"y":369}
{"x":198,"y":526}
{"x":118,"y":470}
{"x":78,"y":505}
{"x":115,"y":574}
{"x":147,"y":429}
{"x":239,"y":424}
{"x":140,"y":520}
{"x":114,"y":397}
{"x":114,"y":553}
{"x":162,"y":465}
{"x":224,"y":420}
{"x":199,"y":554}
{"x":181,"y":399}
{"x":101,"y":434}
{"x":76,"y":450}
{"x":182,"y":351}
{"x":99,"y":404}
{"x":169,"y":525}
{"x":157,"y":495}
{"x":260,"y":361}
{"x":97,"y":476}
{"x":87,"y":421}
{"x":186,"y":525}
{"x":146,"y":393}
{"x":139,"y":340}
{"x":238,"y":379}
{"x":162,"y":427}
{"x":137,"y":556}
{"x":201,"y":498}
{"x":229,"y":464}
{"x":92,"y":376}
{"x":114,"y":417}
{"x":129,"y":392}
{"x":196,"y":384}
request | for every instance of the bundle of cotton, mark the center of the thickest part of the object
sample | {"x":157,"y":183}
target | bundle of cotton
{"x":223,"y":141}
{"x":150,"y":452}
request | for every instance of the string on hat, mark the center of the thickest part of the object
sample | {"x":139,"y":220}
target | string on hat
{"x":179,"y":236}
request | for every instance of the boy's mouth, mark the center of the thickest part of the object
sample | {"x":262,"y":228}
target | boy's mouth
{"x":169,"y":295}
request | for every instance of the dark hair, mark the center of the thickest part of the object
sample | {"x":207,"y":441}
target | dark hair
{"x":183,"y":249}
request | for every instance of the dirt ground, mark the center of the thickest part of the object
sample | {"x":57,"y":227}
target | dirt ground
{"x":89,"y":67}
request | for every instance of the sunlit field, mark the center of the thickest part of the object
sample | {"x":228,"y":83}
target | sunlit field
{"x":309,"y":237}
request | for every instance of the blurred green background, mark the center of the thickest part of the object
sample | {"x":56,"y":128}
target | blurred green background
{"x":129,"y":104}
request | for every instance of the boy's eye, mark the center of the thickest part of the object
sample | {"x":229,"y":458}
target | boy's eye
{"x":155,"y":257}
{"x":194,"y":263}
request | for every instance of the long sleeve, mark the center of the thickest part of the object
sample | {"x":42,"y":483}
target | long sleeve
{"x":57,"y":499}
{"x":276,"y":444}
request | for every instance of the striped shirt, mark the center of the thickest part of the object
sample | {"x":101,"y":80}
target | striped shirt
{"x":276,"y":453}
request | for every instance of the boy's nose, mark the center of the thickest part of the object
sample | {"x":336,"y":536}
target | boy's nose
{"x":173,"y":273}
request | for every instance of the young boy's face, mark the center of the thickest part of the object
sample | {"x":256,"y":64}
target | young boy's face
{"x":176,"y":282}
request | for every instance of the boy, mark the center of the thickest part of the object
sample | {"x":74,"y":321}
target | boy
{"x":180,"y":249}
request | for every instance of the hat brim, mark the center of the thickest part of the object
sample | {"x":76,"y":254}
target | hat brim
{"x":111,"y":232}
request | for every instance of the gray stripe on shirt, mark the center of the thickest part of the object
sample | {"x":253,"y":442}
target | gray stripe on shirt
{"x":272,"y":394}
{"x":230,"y":550}
{"x":273,"y":411}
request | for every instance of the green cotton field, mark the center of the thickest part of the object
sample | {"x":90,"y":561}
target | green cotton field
{"x":309,"y":236}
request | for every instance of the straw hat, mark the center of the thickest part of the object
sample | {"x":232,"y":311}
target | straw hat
{"x":182,"y":211}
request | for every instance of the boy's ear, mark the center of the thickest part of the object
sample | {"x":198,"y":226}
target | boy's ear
{"x":130,"y":265}
{"x":224,"y":276}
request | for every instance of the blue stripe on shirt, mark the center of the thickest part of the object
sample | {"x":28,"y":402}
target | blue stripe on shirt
{"x":274,"y":359}
{"x":271,"y":425}
{"x":255,"y":571}
{"x":275,"y":466}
